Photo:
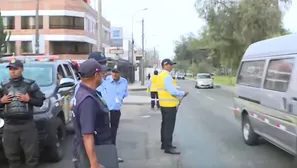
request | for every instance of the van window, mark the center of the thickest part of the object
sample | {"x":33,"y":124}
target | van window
{"x":279,"y":74}
{"x":250,"y":73}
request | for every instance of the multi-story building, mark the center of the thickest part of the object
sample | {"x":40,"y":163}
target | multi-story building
{"x":67,"y":27}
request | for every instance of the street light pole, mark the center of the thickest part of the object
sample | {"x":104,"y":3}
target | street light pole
{"x":37,"y":28}
{"x":133,"y":32}
{"x":143,"y":55}
{"x":99,"y":25}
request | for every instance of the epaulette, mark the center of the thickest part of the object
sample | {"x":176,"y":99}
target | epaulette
{"x":5,"y":82}
{"x":29,"y":81}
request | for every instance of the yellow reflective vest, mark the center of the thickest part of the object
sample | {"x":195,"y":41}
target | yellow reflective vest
{"x":154,"y":84}
{"x":165,"y":98}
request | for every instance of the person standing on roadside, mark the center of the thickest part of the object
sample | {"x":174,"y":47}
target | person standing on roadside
{"x":101,"y":59}
{"x":90,"y":118}
{"x":114,"y":91}
{"x":153,"y":88}
{"x":18,"y":97}
{"x":169,"y":99}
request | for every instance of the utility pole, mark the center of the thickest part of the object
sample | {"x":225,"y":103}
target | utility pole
{"x":154,"y":60}
{"x":99,"y":29}
{"x":37,"y":28}
{"x":132,"y":50}
{"x":143,"y":55}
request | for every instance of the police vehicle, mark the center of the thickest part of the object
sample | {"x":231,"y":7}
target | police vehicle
{"x":56,"y":80}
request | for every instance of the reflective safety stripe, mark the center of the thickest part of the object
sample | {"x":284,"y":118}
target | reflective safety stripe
{"x":169,"y":100}
{"x":161,"y":89}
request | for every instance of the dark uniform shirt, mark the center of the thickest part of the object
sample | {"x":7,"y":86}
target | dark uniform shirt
{"x":90,"y":116}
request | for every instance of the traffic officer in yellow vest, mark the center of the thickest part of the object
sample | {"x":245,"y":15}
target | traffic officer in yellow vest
{"x":152,"y":87}
{"x":169,"y":99}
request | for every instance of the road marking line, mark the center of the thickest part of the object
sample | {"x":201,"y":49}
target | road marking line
{"x":198,"y":92}
{"x":210,"y":98}
{"x":232,"y":108}
{"x":146,"y":116}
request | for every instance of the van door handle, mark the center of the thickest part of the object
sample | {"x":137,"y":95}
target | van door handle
{"x":294,"y":98}
{"x":284,"y":103}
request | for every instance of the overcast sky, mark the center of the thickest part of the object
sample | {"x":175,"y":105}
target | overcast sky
{"x":165,"y":20}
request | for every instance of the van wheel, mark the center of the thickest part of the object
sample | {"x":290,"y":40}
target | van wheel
{"x":55,"y":151}
{"x":249,"y":136}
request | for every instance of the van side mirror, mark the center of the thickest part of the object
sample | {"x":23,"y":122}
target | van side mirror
{"x":66,"y":82}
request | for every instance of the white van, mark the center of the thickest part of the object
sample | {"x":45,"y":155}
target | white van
{"x":266,"y":92}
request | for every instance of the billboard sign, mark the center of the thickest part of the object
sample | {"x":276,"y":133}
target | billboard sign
{"x":116,"y":37}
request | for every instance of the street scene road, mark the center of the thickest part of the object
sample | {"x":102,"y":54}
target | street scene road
{"x":206,"y":133}
{"x":210,"y":137}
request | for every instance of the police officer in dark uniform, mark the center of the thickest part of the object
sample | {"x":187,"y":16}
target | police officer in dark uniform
{"x":18,"y":96}
{"x":91,"y":120}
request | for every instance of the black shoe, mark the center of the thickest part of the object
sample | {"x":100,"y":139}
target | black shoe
{"x":173,"y":147}
{"x":172,"y":151}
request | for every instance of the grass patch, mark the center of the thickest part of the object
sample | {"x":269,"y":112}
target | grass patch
{"x":225,"y":80}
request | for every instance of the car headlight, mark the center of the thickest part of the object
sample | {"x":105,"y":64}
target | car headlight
{"x":1,"y":122}
{"x":44,"y":107}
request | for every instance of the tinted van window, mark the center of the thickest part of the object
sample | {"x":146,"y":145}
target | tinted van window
{"x":279,"y":74}
{"x":250,"y":73}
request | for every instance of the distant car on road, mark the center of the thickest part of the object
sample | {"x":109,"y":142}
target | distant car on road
{"x":180,"y":76}
{"x":204,"y":80}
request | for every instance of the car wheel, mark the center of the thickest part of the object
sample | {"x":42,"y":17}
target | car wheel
{"x":249,"y":136}
{"x":55,"y":151}
{"x":211,"y":87}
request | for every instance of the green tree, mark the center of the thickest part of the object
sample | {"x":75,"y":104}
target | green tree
{"x":4,"y":37}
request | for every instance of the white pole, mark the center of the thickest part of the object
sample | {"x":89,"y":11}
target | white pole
{"x":99,"y":23}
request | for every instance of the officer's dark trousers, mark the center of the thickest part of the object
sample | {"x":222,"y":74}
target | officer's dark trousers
{"x":154,"y":99}
{"x":19,"y":137}
{"x":167,"y":125}
{"x":115,"y":116}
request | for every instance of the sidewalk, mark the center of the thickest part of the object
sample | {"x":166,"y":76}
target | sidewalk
{"x":137,"y":100}
{"x":138,"y":139}
{"x":136,"y":86}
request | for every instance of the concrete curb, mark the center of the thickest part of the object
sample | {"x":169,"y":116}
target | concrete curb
{"x":136,"y":89}
{"x":137,"y":103}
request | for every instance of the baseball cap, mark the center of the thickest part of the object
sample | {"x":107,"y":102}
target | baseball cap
{"x":88,"y":68}
{"x":115,"y":69}
{"x":15,"y":64}
{"x":105,"y":68}
{"x":98,"y":56}
{"x":167,"y":61}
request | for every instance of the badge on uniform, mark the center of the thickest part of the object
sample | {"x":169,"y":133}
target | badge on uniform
{"x":117,"y":100}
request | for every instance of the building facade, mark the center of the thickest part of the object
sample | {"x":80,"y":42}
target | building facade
{"x":67,"y":28}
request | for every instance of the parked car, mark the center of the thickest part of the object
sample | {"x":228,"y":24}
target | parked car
{"x":54,"y":117}
{"x":204,"y":80}
{"x":266,"y":98}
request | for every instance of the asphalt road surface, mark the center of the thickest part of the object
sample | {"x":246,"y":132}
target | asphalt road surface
{"x":210,"y":137}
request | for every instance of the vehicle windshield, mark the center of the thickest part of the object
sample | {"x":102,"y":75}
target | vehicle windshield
{"x":41,"y":73}
{"x":204,"y":76}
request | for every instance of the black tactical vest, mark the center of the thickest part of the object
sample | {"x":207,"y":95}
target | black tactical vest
{"x":17,"y":109}
{"x":102,"y":135}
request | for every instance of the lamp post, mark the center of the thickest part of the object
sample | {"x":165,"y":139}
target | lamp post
{"x":99,"y":30}
{"x":132,"y":54}
{"x":37,"y":28}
